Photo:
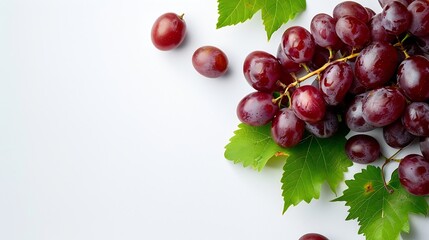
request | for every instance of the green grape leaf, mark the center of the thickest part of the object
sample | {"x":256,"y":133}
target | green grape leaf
{"x":380,"y":214}
{"x":232,"y":12}
{"x":277,"y":12}
{"x":311,"y":163}
{"x":252,"y":146}
{"x":274,"y":12}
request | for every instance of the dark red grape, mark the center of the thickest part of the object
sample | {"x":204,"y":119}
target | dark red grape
{"x":335,"y":81}
{"x":351,"y":8}
{"x":313,"y":236}
{"x":320,"y":58}
{"x":324,"y":128}
{"x":378,"y":33}
{"x":383,"y":106}
{"x":322,"y":27}
{"x":419,"y":10}
{"x":352,"y":31}
{"x":413,"y":171}
{"x":416,"y":119}
{"x":424,"y":147}
{"x":168,"y":31}
{"x":396,"y":135}
{"x":262,"y":71}
{"x":256,"y":109}
{"x":376,"y":64}
{"x":354,"y":115}
{"x":287,"y":130}
{"x":308,"y":104}
{"x":362,"y":149}
{"x":287,"y":63}
{"x":395,"y":18}
{"x":413,"y":78}
{"x":298,"y":44}
{"x":210,"y":61}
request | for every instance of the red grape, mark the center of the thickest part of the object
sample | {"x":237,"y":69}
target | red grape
{"x":210,"y":61}
{"x":396,"y":135}
{"x":376,"y":64}
{"x":383,"y":106}
{"x":262,"y":71}
{"x":413,"y":173}
{"x":308,"y":104}
{"x":362,"y":149}
{"x":351,"y":8}
{"x":256,"y":109}
{"x":322,"y":27}
{"x":354,"y":115}
{"x":324,"y":128}
{"x":168,"y":31}
{"x":335,"y":81}
{"x":413,"y":78}
{"x":313,"y":236}
{"x":352,"y":31}
{"x":416,"y":119}
{"x":395,"y":18}
{"x":298,"y":44}
{"x":287,"y":130}
{"x":419,"y":10}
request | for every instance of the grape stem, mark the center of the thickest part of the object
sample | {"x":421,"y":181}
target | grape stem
{"x":388,"y":160}
{"x":310,"y":74}
{"x":326,"y":65}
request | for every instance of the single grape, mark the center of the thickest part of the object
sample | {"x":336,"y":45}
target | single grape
{"x":352,"y":31}
{"x":298,"y":44}
{"x":383,"y":106}
{"x":419,"y":10}
{"x":308,"y":104}
{"x":322,"y":28}
{"x":413,"y":78}
{"x":324,"y":128}
{"x":256,"y":109}
{"x":313,"y":236}
{"x":378,"y":33}
{"x":335,"y":81}
{"x":287,"y":130}
{"x":287,"y":63}
{"x":168,"y":31}
{"x":424,"y":147}
{"x":351,"y":8}
{"x":210,"y":61}
{"x":395,"y":18}
{"x":362,"y":149}
{"x":413,"y":171}
{"x":262,"y":71}
{"x":396,"y":135}
{"x":416,"y":119}
{"x":376,"y":64}
{"x":320,"y":58}
{"x":354,"y":115}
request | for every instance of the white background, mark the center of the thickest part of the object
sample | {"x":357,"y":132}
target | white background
{"x":102,"y":136}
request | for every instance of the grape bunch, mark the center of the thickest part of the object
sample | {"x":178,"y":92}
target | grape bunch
{"x":370,"y":70}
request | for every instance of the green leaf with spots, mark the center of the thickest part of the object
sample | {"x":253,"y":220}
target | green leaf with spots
{"x":380,"y":214}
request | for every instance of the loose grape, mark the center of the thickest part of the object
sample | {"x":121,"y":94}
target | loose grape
{"x":210,"y":61}
{"x":168,"y":31}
